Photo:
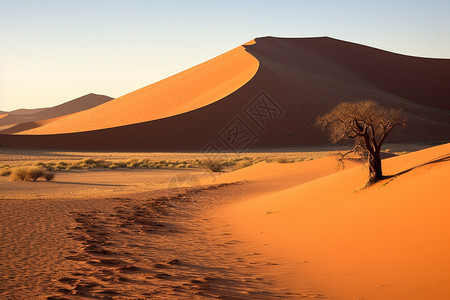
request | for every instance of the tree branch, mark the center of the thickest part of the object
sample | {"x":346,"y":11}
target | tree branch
{"x":386,"y":133}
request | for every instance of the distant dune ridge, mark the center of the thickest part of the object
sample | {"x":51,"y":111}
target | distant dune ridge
{"x":24,"y":119}
{"x":269,"y":90}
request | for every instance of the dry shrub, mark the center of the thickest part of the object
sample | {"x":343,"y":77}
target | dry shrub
{"x":30,"y":173}
{"x":242,"y":164}
{"x":213,"y":165}
{"x":284,"y":160}
{"x":49,"y":176}
{"x":134,"y":164}
{"x":5,"y":172}
{"x":74,"y":166}
{"x":89,"y":161}
{"x":34,"y":173}
{"x":19,"y":173}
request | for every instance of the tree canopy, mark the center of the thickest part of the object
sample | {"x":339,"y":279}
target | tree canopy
{"x":365,"y":122}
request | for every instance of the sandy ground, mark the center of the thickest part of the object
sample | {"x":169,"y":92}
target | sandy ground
{"x":270,"y":231}
{"x":389,"y":241}
{"x":94,"y":183}
{"x":166,"y":244}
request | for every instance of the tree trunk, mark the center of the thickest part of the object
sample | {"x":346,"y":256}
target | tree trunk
{"x":375,"y":172}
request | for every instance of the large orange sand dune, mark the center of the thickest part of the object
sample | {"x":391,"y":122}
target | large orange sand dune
{"x":25,"y":119}
{"x":183,"y":92}
{"x":302,"y":78}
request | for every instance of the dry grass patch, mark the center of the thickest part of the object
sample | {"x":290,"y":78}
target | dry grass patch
{"x":30,"y":173}
{"x":19,"y":173}
{"x":34,"y":173}
{"x":244,"y":163}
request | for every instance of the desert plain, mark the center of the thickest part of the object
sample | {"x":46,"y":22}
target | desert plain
{"x":216,"y":183}
{"x":292,"y":230}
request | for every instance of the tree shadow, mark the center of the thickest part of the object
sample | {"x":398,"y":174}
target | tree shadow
{"x":443,"y":158}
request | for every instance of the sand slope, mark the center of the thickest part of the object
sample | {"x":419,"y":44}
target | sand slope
{"x":390,"y":241}
{"x":295,"y":81}
{"x":22,"y":119}
{"x":183,"y":92}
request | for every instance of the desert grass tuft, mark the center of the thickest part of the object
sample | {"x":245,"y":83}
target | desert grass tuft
{"x":49,"y":176}
{"x":284,"y":160}
{"x":5,"y":172}
{"x":30,"y":173}
{"x":34,"y":173}
{"x":242,"y":164}
{"x":213,"y":165}
{"x":19,"y":173}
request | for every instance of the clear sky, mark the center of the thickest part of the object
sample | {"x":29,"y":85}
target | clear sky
{"x":55,"y":51}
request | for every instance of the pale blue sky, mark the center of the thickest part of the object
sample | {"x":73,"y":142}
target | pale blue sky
{"x":54,"y":51}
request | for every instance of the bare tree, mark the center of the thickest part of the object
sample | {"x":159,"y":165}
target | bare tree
{"x":365,"y":122}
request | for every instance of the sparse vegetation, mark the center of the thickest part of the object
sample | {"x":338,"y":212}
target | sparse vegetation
{"x":19,"y":173}
{"x":217,"y":162}
{"x":35,"y":172}
{"x":244,"y":163}
{"x":5,"y":171}
{"x":49,"y":176}
{"x":284,"y":160}
{"x":30,"y":173}
{"x":213,"y":165}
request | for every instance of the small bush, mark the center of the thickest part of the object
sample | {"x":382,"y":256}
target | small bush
{"x":102,"y":164}
{"x":134,"y":165}
{"x":19,"y":173}
{"x":74,"y":166}
{"x":89,"y":161}
{"x":35,"y":172}
{"x":5,"y":172}
{"x":242,"y":164}
{"x":40,"y":164}
{"x":212,"y":165}
{"x":49,"y":176}
{"x":284,"y":160}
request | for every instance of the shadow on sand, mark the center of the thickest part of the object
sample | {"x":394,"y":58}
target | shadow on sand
{"x":439,"y":159}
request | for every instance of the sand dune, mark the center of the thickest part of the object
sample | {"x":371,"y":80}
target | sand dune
{"x":389,"y":241}
{"x":302,"y":230}
{"x":183,"y":92}
{"x":24,"y":119}
{"x":295,"y":80}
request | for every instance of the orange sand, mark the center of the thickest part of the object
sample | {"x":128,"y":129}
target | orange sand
{"x":191,"y":89}
{"x":286,"y":231}
{"x":390,"y":241}
{"x":25,"y":119}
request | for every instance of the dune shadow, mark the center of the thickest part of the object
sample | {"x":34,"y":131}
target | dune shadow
{"x":85,"y":183}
